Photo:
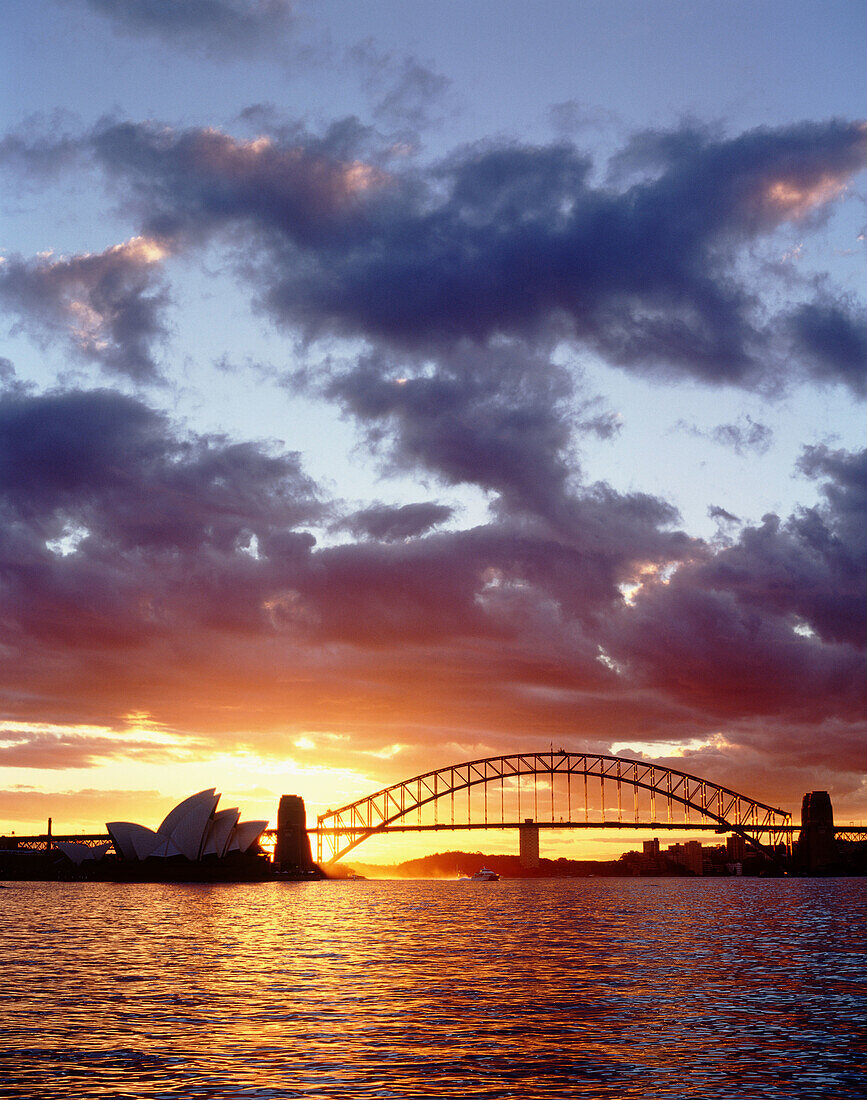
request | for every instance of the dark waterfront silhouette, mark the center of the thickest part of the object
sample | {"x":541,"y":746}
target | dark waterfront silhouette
{"x":196,"y":842}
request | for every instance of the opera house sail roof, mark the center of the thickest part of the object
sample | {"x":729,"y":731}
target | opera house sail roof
{"x":194,"y":829}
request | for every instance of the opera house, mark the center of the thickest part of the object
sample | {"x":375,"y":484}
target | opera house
{"x":195,"y":830}
{"x":195,"y":842}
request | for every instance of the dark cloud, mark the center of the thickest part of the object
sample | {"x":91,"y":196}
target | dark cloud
{"x":504,"y":241}
{"x":504,"y":419}
{"x":123,"y":535}
{"x":721,"y":515}
{"x":107,"y":306}
{"x":498,"y":418}
{"x":193,"y":182}
{"x":593,"y":420}
{"x":747,"y":436}
{"x":714,"y":648}
{"x":42,"y":147}
{"x":510,"y":240}
{"x":222,"y":27}
{"x":111,"y":464}
{"x":811,"y":568}
{"x":143,"y":568}
{"x":115,"y":527}
{"x":345,"y":139}
{"x":388,"y":522}
{"x":505,"y":583}
{"x":774,"y":623}
{"x":831,"y":334}
{"x":409,"y":94}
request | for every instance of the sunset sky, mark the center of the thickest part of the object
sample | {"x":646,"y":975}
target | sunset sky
{"x":389,"y":384}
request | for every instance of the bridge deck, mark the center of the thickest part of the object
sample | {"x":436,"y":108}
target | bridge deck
{"x":841,"y":832}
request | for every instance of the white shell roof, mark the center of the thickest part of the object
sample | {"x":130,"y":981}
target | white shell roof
{"x":131,"y":840}
{"x":245,"y":835}
{"x":189,"y":828}
{"x":219,"y":832}
{"x":193,"y":828}
{"x":78,"y":852}
{"x":172,"y":818}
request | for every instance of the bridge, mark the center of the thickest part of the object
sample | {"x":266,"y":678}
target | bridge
{"x":556,"y":789}
{"x":550,"y":790}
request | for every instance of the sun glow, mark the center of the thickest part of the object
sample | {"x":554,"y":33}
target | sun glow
{"x":647,"y":574}
{"x":661,"y":750}
{"x":87,"y":326}
{"x":795,"y":200}
{"x":145,"y":250}
{"x":43,"y":765}
{"x":362,"y":177}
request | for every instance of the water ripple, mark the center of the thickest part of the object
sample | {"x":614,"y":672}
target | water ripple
{"x":613,"y":989}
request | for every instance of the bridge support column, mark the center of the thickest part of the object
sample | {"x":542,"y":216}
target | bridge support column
{"x":293,"y":844}
{"x":528,"y":843}
{"x":816,"y":848}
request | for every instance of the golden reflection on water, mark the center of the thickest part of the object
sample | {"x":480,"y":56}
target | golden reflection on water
{"x":604,"y":988}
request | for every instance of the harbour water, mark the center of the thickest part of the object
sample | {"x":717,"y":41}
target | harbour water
{"x":598,"y":988}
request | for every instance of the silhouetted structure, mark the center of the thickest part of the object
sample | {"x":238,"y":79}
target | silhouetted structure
{"x":688,"y":856}
{"x":528,"y":844}
{"x":630,"y":794}
{"x":193,"y":831}
{"x":651,"y":861}
{"x":293,"y":844}
{"x":817,"y":850}
{"x":736,"y":849}
{"x":195,"y":842}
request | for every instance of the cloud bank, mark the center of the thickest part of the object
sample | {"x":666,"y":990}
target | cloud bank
{"x":142,"y":564}
{"x":500,"y":242}
{"x":217,"y":27}
{"x":516,"y":241}
{"x":212,"y":583}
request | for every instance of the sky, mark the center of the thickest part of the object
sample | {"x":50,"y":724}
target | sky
{"x":389,"y":385}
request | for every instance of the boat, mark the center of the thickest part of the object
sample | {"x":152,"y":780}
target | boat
{"x":485,"y":875}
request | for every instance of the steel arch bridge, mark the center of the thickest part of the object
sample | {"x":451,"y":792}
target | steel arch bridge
{"x":687,"y":801}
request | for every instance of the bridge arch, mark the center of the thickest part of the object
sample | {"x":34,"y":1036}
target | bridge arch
{"x":387,"y":810}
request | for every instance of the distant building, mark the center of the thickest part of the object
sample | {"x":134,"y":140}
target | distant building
{"x":649,"y":861}
{"x":528,"y":843}
{"x":736,"y":849}
{"x":688,"y":855}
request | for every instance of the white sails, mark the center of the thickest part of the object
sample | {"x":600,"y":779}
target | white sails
{"x":194,"y":829}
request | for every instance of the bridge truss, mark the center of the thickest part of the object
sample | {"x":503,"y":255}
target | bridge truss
{"x":43,"y":841}
{"x":556,"y":789}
